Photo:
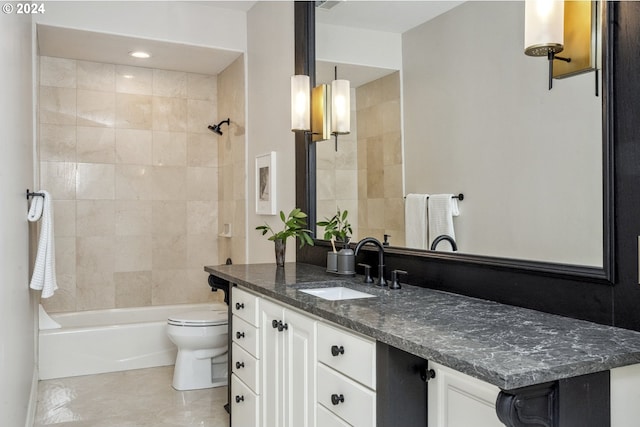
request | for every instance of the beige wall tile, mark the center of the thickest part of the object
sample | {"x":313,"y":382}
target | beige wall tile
{"x":94,"y":255}
{"x":133,"y":253}
{"x":394,"y":214}
{"x":169,"y":217}
{"x":200,"y":114}
{"x":57,"y":72}
{"x":133,"y":289}
{"x":239,"y":181}
{"x":171,"y":84}
{"x":59,"y":178}
{"x":169,"y":286}
{"x":392,"y":147}
{"x":95,"y":145}
{"x":64,"y":299}
{"x":134,"y":146}
{"x":95,"y":291}
{"x":202,"y":150}
{"x":169,"y":252}
{"x":169,"y":182}
{"x":375,"y":213}
{"x":64,"y":218}
{"x":95,"y":218}
{"x":65,"y":255}
{"x":96,"y":76}
{"x":169,"y":114}
{"x":95,"y":181}
{"x":169,"y":148}
{"x":134,"y":182}
{"x":390,"y":113}
{"x":347,"y":154}
{"x":133,"y":218}
{"x":202,"y":184}
{"x":95,"y":108}
{"x":202,"y":249}
{"x":58,"y":143}
{"x":325,"y":185}
{"x":203,"y":87}
{"x":134,"y":80}
{"x":57,"y":105}
{"x":393,"y":181}
{"x":346,"y":184}
{"x":198,"y":289}
{"x":202,"y":217}
{"x":133,"y":111}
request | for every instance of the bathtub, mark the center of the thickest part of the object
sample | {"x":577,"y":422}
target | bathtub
{"x":99,"y":341}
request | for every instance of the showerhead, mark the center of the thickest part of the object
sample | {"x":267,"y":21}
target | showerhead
{"x":216,"y":128}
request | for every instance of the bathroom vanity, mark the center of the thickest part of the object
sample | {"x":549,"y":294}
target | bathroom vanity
{"x":416,"y":356}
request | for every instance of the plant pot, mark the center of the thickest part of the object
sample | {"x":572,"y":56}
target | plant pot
{"x":281,"y":249}
{"x":332,"y":262}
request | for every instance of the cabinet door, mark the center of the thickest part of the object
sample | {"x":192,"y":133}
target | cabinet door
{"x":272,"y":364}
{"x":458,"y":400}
{"x":300,"y":370}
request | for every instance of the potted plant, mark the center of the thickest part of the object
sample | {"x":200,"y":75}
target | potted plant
{"x":338,"y":229}
{"x":294,"y":226}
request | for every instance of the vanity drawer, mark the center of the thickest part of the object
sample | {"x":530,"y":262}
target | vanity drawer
{"x":246,"y":367}
{"x":245,"y":405}
{"x":329,"y":419}
{"x":356,"y":405}
{"x":355,"y":356}
{"x":246,"y":336}
{"x":245,"y":305}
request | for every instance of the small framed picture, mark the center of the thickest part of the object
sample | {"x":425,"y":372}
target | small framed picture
{"x":266,"y":184}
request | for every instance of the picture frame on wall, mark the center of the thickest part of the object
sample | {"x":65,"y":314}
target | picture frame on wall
{"x":265,"y":184}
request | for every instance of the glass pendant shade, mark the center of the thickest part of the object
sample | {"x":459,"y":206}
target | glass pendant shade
{"x":543,"y":27}
{"x":340,"y":107}
{"x":300,"y":103}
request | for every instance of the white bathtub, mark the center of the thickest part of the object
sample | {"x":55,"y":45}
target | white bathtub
{"x":98,"y":341}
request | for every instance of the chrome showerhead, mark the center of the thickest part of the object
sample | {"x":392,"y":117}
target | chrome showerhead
{"x":216,"y":128}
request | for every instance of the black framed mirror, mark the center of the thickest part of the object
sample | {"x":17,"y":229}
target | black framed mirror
{"x":306,"y":190}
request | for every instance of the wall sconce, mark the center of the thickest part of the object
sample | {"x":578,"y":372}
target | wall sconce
{"x":323,"y":111}
{"x":553,"y":26}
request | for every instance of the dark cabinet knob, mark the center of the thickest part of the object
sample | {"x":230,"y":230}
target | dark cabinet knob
{"x":239,"y":365}
{"x":239,"y":305}
{"x":427,"y":374}
{"x":277,"y":324}
{"x":239,"y":335}
{"x":336,"y":399}
{"x":335,"y":350}
{"x":239,"y":399}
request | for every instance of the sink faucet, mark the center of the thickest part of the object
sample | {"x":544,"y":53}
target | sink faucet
{"x":361,"y":243}
{"x":442,"y":237}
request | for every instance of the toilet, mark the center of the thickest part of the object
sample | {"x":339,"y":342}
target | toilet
{"x":201,"y":338}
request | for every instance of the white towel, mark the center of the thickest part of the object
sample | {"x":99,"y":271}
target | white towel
{"x":44,"y":271}
{"x":415,"y":220}
{"x":442,"y":209}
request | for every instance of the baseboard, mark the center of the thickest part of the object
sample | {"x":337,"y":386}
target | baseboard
{"x":33,"y":400}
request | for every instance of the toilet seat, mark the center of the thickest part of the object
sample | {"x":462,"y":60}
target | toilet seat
{"x":199,"y":318}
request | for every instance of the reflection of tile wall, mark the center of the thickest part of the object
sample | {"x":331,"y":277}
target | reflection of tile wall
{"x":337,"y":175}
{"x":380,"y":192}
{"x":133,"y":171}
{"x":231,"y":159}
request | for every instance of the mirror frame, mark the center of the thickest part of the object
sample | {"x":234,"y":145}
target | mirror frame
{"x":306,"y":162}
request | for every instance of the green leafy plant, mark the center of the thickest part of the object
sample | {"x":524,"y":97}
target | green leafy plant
{"x":337,"y":227}
{"x":294,"y":226}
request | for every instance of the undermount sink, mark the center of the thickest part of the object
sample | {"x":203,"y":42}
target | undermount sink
{"x":336,"y":293}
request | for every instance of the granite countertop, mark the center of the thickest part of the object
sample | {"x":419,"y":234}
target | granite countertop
{"x":504,"y":345}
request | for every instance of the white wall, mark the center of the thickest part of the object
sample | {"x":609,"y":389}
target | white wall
{"x":270,"y":62}
{"x":480,"y":120}
{"x":172,"y":21}
{"x":17,"y":336}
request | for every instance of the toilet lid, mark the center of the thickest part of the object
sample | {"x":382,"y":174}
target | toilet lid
{"x":199,"y":318}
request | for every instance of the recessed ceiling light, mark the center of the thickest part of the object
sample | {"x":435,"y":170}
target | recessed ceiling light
{"x":140,"y":54}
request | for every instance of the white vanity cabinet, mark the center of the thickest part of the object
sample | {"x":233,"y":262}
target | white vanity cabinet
{"x":245,"y":360}
{"x":458,"y":400}
{"x":287,"y":340}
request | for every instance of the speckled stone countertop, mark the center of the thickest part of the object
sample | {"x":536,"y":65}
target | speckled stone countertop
{"x":507,"y":346}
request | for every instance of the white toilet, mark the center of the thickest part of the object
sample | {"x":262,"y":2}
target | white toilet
{"x":201,"y":338}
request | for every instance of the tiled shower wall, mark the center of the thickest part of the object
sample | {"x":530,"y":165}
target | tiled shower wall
{"x":380,"y":189}
{"x":133,"y":172}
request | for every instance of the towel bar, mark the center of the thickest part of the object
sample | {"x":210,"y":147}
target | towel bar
{"x":30,"y":194}
{"x":459,"y":197}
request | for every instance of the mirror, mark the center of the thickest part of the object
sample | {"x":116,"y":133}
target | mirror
{"x":452,"y":105}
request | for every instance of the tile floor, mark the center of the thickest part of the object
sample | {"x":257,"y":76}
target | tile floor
{"x":139,"y":398}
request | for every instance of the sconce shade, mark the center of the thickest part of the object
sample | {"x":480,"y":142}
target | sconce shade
{"x":340,"y":107}
{"x":300,"y":103}
{"x":543,"y":27}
